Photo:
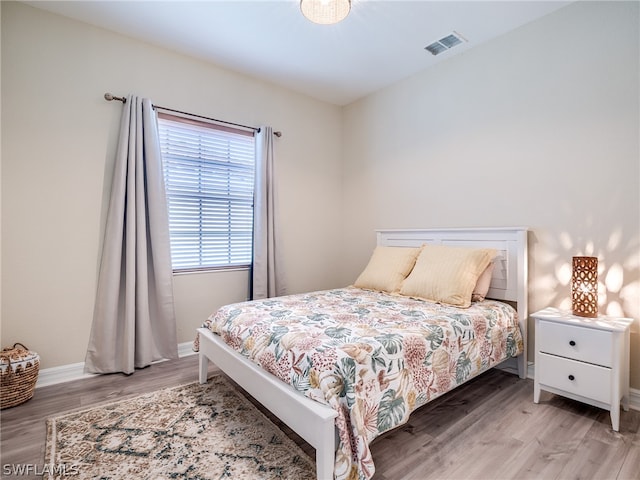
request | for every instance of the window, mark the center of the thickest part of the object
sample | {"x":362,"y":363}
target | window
{"x":209,"y":173}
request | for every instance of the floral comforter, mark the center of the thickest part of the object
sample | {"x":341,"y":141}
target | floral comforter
{"x":372,"y":357}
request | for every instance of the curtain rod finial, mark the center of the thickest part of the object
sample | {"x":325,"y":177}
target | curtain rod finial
{"x":108,"y":97}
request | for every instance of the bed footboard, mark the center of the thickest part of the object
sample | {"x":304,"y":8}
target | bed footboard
{"x":311,"y":420}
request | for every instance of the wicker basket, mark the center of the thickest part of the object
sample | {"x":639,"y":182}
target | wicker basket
{"x":19,"y":372}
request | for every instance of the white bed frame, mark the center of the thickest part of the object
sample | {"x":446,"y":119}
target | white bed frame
{"x":314,"y":421}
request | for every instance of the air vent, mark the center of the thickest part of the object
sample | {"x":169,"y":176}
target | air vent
{"x":445,"y":43}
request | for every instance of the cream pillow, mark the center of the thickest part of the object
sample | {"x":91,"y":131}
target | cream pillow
{"x":483,"y":284}
{"x":446,"y":274}
{"x":387,"y":268}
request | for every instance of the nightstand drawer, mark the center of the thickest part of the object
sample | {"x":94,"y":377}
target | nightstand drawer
{"x":579,"y":378}
{"x":585,"y":344}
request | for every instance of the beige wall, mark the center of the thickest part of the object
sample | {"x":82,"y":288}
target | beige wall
{"x":538,"y":128}
{"x":59,"y":138}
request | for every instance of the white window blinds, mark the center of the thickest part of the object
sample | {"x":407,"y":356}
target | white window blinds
{"x":209,"y":174}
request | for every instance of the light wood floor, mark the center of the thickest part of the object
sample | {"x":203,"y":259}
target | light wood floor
{"x":487,"y":429}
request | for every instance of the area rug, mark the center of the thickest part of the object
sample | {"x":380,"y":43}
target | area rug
{"x":193,"y":432}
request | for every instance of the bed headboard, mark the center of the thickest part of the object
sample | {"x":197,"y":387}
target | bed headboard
{"x":509,"y":280}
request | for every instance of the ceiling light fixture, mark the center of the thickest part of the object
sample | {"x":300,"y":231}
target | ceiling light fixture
{"x":325,"y":12}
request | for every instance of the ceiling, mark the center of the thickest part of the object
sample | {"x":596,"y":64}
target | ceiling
{"x":379,"y":43}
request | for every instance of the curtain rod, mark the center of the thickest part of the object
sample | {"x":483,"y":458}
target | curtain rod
{"x":109,"y":97}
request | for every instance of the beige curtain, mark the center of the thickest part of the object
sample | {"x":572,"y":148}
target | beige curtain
{"x":267,"y":271}
{"x":134,"y":319}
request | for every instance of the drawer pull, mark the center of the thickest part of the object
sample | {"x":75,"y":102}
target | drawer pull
{"x":572,"y":378}
{"x":572,"y":343}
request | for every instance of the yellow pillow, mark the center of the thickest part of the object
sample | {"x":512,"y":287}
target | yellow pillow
{"x":446,"y":274}
{"x":387,"y":268}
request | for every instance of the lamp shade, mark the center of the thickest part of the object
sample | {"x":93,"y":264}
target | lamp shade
{"x":584,"y":286}
{"x":325,"y":12}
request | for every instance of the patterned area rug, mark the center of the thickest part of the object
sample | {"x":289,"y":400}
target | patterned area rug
{"x":189,"y":432}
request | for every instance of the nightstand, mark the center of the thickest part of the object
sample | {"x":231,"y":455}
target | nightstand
{"x":585,"y":359}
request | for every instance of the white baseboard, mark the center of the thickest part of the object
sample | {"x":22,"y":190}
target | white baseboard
{"x":634,"y":399}
{"x":185,"y":349}
{"x":62,"y":374}
{"x":75,"y":371}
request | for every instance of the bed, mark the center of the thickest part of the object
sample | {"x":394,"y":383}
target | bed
{"x":343,"y":366}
